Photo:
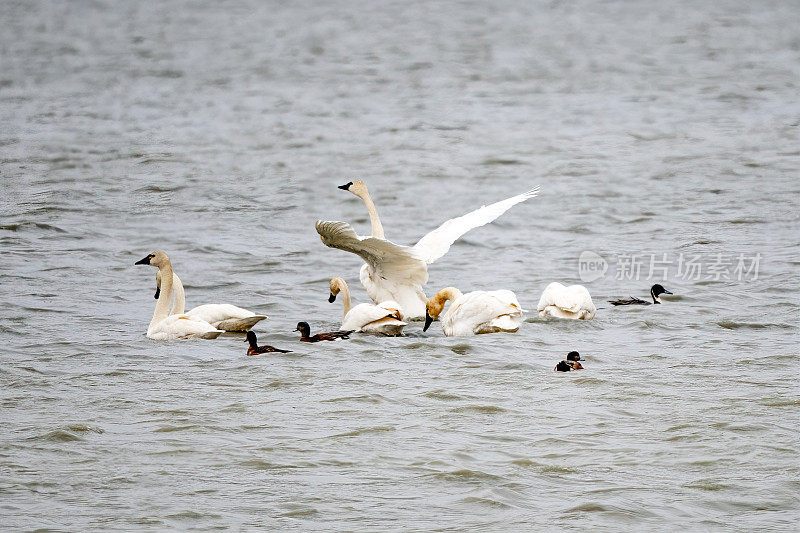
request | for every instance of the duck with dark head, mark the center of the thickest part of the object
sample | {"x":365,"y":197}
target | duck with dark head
{"x":255,"y":349}
{"x":572,"y":362}
{"x":305,"y":334}
{"x":655,"y":292}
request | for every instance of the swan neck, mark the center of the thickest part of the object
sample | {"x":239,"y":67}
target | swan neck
{"x":375,"y":220}
{"x":448,"y":293}
{"x":162,"y":305}
{"x":345,"y":292}
{"x":179,"y":300}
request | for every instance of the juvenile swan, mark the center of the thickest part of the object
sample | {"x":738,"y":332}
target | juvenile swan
{"x":475,"y":312}
{"x":566,"y":302}
{"x":385,"y":318}
{"x":226,"y":317}
{"x":396,"y":272}
{"x":164,"y":326}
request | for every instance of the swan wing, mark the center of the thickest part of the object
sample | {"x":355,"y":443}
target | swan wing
{"x":395,"y":308}
{"x":391,"y":261}
{"x":436,"y":243}
{"x":571,"y":299}
{"x":217,"y":312}
{"x":476,"y":308}
{"x":182,"y":326}
{"x":364,"y":314}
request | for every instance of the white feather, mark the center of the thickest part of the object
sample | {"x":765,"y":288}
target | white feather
{"x":573,"y":302}
{"x":480,"y":312}
{"x":226,"y":317}
{"x":164,"y":326}
{"x":396,"y":272}
{"x":182,"y":327}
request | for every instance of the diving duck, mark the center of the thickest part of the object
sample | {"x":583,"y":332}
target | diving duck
{"x":305,"y":334}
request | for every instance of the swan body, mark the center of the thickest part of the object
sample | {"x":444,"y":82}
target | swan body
{"x":573,"y":302}
{"x":385,"y":318}
{"x":164,"y":326}
{"x":395,"y":272}
{"x":226,"y":317}
{"x":475,"y":313}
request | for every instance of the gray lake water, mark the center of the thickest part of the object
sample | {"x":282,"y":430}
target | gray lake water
{"x":662,"y":134}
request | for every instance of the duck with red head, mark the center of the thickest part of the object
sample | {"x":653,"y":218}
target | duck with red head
{"x":572,"y":362}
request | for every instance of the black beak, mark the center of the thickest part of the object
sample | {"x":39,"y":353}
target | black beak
{"x":145,"y":261}
{"x":346,"y":186}
{"x":297,"y":328}
{"x":158,"y":293}
{"x":428,"y":322}
{"x":332,"y":298}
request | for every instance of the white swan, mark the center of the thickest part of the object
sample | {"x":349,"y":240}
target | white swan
{"x":475,"y":312}
{"x":396,"y":272}
{"x":164,"y":326}
{"x":226,"y":317}
{"x":566,"y":302}
{"x":385,"y":318}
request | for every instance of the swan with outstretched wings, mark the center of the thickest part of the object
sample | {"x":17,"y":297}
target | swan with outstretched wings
{"x":396,"y":272}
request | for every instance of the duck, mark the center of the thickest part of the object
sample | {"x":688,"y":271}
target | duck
{"x":226,"y":317}
{"x":571,"y":363}
{"x":474,"y":313}
{"x":655,"y":292}
{"x":396,"y":272}
{"x":573,"y":302}
{"x":255,"y":349}
{"x":305,"y":334}
{"x":383,"y":319}
{"x":164,"y":326}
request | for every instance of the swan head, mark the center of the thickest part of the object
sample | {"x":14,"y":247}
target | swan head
{"x":433,"y":308}
{"x":435,"y":304}
{"x":336,"y":287}
{"x":656,"y":291}
{"x":356,"y":187}
{"x":304,"y":329}
{"x":155,"y":259}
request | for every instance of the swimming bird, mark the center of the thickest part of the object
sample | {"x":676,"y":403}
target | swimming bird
{"x":474,"y":313}
{"x":655,"y":291}
{"x":226,"y":317}
{"x":572,"y":302}
{"x":305,"y":334}
{"x":255,"y":349}
{"x":571,"y":363}
{"x":396,"y":272}
{"x":385,"y":318}
{"x":164,"y":326}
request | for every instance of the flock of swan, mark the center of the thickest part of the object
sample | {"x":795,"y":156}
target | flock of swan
{"x":393,"y":276}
